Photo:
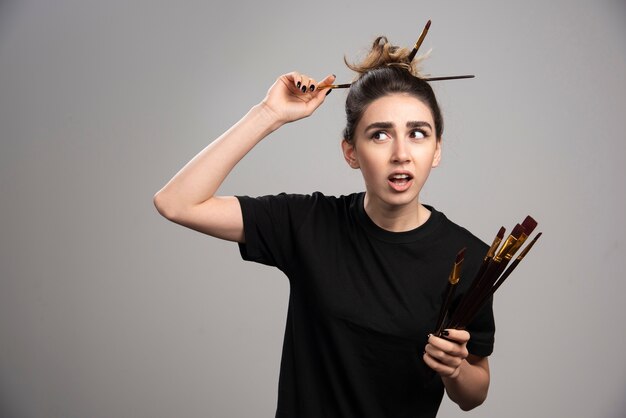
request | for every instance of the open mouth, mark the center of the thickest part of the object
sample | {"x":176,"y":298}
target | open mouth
{"x":400,"y":179}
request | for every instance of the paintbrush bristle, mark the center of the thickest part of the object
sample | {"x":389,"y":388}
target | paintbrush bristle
{"x":517,"y":231}
{"x":529,"y":225}
{"x":460,"y":256}
{"x":501,"y":232}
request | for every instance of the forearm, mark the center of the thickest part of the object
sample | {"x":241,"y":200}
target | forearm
{"x":200,"y":178}
{"x":469,"y":388}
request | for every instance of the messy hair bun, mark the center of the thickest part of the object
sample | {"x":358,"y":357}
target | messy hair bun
{"x":384,"y":54}
{"x":387,"y":70}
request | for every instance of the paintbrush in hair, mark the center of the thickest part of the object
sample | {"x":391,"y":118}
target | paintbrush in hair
{"x":348,"y":85}
{"x":410,"y":58}
{"x":419,"y":42}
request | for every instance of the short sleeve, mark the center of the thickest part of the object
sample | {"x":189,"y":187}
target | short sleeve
{"x":270,"y":227}
{"x":482,"y":331}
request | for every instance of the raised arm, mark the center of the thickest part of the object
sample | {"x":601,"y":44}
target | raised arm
{"x":189,"y":197}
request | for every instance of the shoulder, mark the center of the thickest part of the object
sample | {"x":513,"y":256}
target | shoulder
{"x":296,"y":208}
{"x":315,"y":200}
{"x":454,"y":232}
{"x":282,"y":217}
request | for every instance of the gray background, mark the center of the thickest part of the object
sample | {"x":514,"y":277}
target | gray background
{"x":108,"y":310}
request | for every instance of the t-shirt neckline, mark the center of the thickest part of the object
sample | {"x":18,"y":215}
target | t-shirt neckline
{"x":427,"y":228}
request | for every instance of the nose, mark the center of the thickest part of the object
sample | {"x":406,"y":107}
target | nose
{"x":400,"y":152}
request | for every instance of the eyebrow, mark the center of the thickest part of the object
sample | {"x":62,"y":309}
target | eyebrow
{"x":389,"y":125}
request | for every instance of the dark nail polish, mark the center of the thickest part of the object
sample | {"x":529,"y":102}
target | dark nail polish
{"x":445,"y":332}
{"x":299,"y":84}
{"x":312,"y":87}
{"x":303,"y":89}
{"x":329,"y":91}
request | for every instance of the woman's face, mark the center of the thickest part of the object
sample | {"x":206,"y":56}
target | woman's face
{"x":395,"y":147}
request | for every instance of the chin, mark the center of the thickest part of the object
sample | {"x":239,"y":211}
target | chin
{"x":401,"y":199}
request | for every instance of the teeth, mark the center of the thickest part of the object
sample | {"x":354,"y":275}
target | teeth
{"x":400,"y":176}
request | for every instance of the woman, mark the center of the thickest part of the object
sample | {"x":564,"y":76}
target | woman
{"x":367,"y":271}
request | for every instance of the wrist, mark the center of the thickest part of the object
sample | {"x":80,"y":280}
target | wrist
{"x":268,"y":116}
{"x":455,"y":375}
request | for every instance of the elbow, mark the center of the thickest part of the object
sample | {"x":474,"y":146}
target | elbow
{"x":164,"y":205}
{"x":469,"y":404}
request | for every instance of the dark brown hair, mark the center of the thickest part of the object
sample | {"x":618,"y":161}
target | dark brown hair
{"x":386,"y":70}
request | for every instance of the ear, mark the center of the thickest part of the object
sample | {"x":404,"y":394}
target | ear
{"x":437,"y":156}
{"x":349,"y":153}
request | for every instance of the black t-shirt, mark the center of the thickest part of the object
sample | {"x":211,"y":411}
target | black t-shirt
{"x":362,"y":302}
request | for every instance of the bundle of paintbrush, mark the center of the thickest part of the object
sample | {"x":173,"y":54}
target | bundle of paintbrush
{"x":490,"y":276}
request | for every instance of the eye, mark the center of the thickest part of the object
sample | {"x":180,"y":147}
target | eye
{"x":379,"y":136}
{"x":418,"y":134}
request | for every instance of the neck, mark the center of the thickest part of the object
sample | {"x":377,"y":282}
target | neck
{"x":396,"y":218}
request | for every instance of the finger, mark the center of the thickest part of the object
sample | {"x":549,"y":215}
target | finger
{"x":443,"y":357}
{"x":457,"y":335}
{"x":319,"y":95}
{"x":438,"y":367}
{"x":300,"y":81}
{"x":296,"y":79}
{"x":450,"y":347}
{"x":305,"y":83}
{"x":292,"y":81}
{"x":327,"y":81}
{"x":312,"y":85}
{"x":453,"y":336}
